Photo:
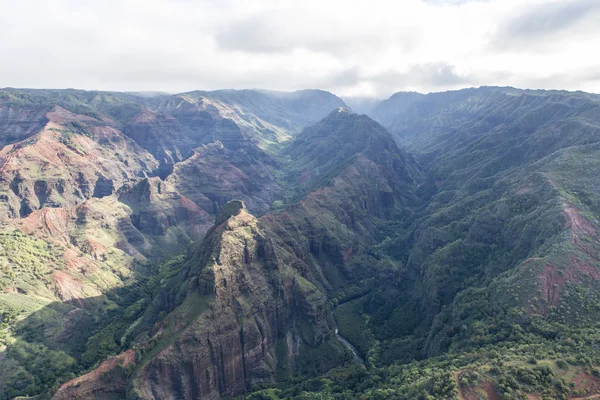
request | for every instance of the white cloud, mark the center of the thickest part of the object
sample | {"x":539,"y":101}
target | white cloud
{"x":371,"y":48}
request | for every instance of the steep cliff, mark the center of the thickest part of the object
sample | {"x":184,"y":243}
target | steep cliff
{"x":245,"y":314}
{"x":478,"y":248}
{"x":97,"y":189}
{"x":250,"y":305}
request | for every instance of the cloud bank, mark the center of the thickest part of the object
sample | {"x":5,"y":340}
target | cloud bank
{"x":372,"y":48}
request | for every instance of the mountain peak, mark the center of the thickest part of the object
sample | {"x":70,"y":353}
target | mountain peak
{"x":341,"y":110}
{"x":230,"y":209}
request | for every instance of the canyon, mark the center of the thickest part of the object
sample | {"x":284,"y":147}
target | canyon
{"x":211,"y":244}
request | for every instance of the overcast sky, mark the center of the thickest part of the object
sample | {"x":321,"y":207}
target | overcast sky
{"x":350,"y":47}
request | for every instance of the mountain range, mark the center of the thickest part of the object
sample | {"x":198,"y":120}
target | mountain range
{"x":265,"y":245}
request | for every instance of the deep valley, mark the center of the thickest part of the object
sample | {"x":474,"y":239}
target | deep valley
{"x":210,"y":245}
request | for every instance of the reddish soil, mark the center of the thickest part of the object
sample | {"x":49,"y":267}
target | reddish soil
{"x":93,"y":378}
{"x":348,"y":254}
{"x":146,"y":116}
{"x":587,"y":382}
{"x":76,"y":263}
{"x":553,"y":278}
{"x":551,"y":282}
{"x":490,"y":391}
{"x":61,"y":116}
{"x":49,"y":222}
{"x":583,"y":381}
{"x":96,"y":249}
{"x":590,"y":397}
{"x":578,"y":224}
{"x":190,"y":205}
{"x":67,"y":287}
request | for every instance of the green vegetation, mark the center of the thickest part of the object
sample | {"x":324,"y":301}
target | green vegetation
{"x":530,"y":363}
{"x":49,"y":342}
{"x":486,"y":276}
{"x":469,"y":265}
{"x":24,"y":260}
{"x":120,"y":106}
{"x":24,"y":269}
{"x":353,"y":325}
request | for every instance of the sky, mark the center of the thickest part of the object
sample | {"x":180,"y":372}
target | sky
{"x":370,"y":48}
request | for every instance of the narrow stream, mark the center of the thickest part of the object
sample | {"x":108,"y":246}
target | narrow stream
{"x":349,"y":346}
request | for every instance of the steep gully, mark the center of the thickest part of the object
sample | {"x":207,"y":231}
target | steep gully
{"x":349,"y":345}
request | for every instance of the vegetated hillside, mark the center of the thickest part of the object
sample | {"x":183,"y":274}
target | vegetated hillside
{"x":264,"y":284}
{"x":467,"y":269}
{"x":495,"y":288}
{"x":290,"y":110}
{"x":96,"y":190}
{"x":388,"y":111}
{"x":326,"y":148}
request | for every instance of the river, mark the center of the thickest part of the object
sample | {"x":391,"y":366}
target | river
{"x":349,"y":345}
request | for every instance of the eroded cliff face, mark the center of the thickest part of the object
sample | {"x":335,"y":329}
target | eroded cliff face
{"x":18,"y":122}
{"x":66,"y":185}
{"x":160,"y":211}
{"x":356,"y":217}
{"x":98,"y":188}
{"x":113,"y":184}
{"x":215,"y":174}
{"x":73,"y":158}
{"x":249,"y":305}
{"x":229,"y":347}
{"x":109,"y":179}
{"x":246,"y":315}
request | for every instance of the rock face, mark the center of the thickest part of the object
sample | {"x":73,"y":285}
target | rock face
{"x":96,"y":187}
{"x":215,"y":174}
{"x":158,"y":209}
{"x":241,"y":299}
{"x":498,"y":208}
{"x":230,"y":346}
{"x":63,"y":148}
{"x":73,"y":158}
{"x":249,"y":305}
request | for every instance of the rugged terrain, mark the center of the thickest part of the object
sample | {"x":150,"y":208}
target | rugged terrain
{"x":208,"y":244}
{"x":100,"y":188}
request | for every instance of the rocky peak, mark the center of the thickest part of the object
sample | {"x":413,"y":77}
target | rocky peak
{"x":320,"y":151}
{"x":344,"y":110}
{"x":230,"y":209}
